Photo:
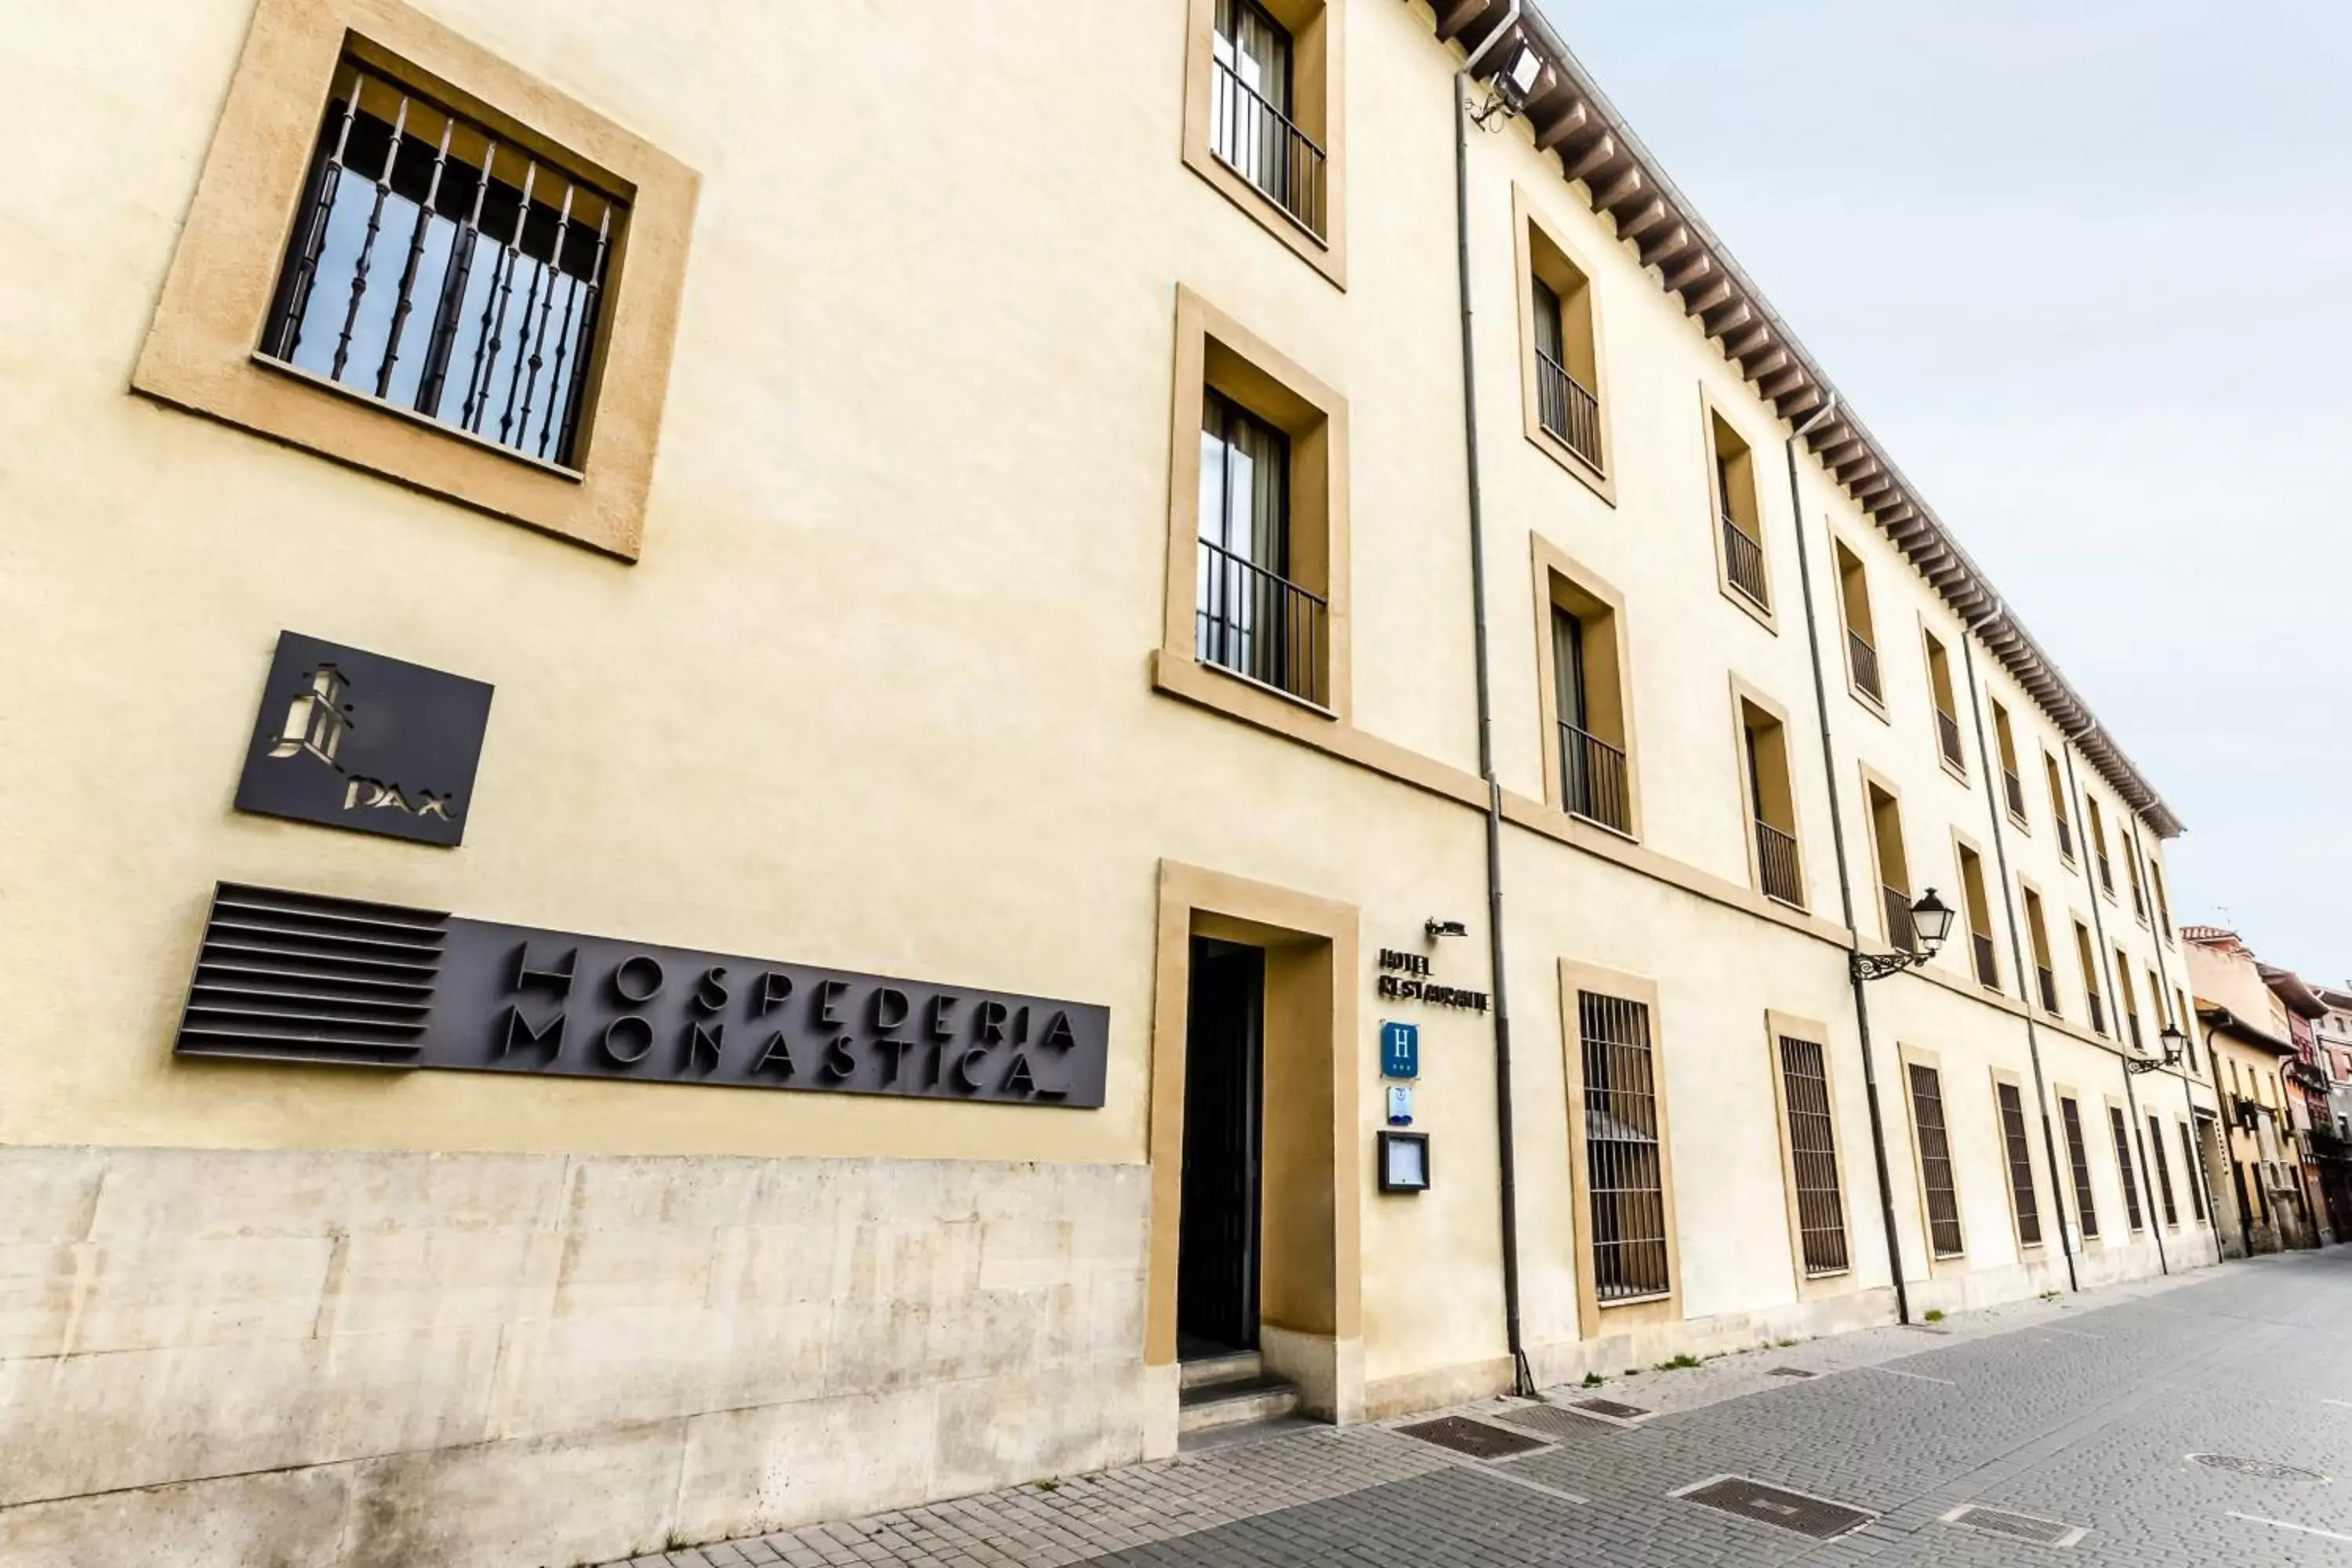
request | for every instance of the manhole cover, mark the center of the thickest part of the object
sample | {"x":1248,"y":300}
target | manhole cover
{"x":1609,"y":1407}
{"x":1791,"y":1372}
{"x":1554,"y":1422}
{"x":1816,"y":1517}
{"x":2263,"y":1469}
{"x":1475,"y":1438}
{"x":2015,"y":1526}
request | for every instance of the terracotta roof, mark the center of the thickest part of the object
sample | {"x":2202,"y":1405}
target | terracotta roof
{"x":2229,"y":1023}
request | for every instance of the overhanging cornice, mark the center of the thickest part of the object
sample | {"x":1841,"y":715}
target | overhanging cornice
{"x":1574,"y":120}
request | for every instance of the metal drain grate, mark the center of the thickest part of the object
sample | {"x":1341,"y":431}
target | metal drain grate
{"x":1553,"y":1422}
{"x":1475,"y":1438}
{"x":1778,"y":1505}
{"x":2263,"y":1469}
{"x":1609,"y":1407}
{"x":2015,"y":1526}
{"x":1790,"y":1371}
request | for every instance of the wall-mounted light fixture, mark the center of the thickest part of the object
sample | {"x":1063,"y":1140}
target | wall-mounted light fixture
{"x":2172,"y":1040}
{"x":1513,"y":85}
{"x":1931,"y":922}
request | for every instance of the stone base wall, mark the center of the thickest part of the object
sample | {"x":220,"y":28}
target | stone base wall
{"x":347,"y":1360}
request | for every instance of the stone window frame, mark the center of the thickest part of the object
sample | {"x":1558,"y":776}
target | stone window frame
{"x":1932,"y":643}
{"x":2027,"y":1251}
{"x":1529,"y":224}
{"x":1317,"y":31}
{"x":1555,"y":570}
{"x":1744,"y":693}
{"x":2128,"y":1167}
{"x":1711,"y":416}
{"x":1906,"y":1056}
{"x":2060,"y":1094}
{"x":201,"y":349}
{"x":1845,"y":1281}
{"x":1214,"y":351}
{"x":1874,"y":706}
{"x":1594,"y":1316}
{"x":1964,"y":845}
{"x":1872,"y":779}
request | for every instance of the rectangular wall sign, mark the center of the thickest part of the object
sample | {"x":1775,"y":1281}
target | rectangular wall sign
{"x":355,"y":740}
{"x":1400,"y":1050}
{"x":302,"y":977}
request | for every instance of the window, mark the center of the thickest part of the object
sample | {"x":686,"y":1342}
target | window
{"x":2138,"y":893}
{"x":1979,"y":910}
{"x":1263,"y":117}
{"x":1251,"y":616}
{"x":2163,"y":1177}
{"x":1739,"y":525}
{"x":1861,"y":634}
{"x":1256,"y":519}
{"x":1893,"y":867}
{"x":2128,"y":1000}
{"x":2188,"y":1022}
{"x":1625,"y":1181}
{"x":1771,"y":805}
{"x":2189,"y":1173}
{"x":384,"y":265}
{"x":2163,"y":906}
{"x":2098,"y":832}
{"x":2025,"y":1207}
{"x":2069,"y":1117}
{"x":1947,"y":710}
{"x":2045,"y":977}
{"x":1587,"y":765}
{"x":1935,"y":1152}
{"x":2089,"y":960}
{"x":1560,"y":365}
{"x":435,"y":270}
{"x":1813,"y":1156}
{"x":2012,"y":789}
{"x":2058,"y":811}
{"x":2121,"y":1133}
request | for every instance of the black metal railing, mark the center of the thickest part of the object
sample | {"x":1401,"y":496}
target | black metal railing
{"x":1864,"y":660}
{"x":2106,"y":872}
{"x":1902,"y":932}
{"x":440,"y":269}
{"x":2065,"y":830}
{"x":1988,"y":969}
{"x":1568,"y":409}
{"x":2139,"y":902}
{"x":1255,"y":623}
{"x":2098,"y":1011}
{"x":1257,"y":141}
{"x":1743,"y":562}
{"x":1776,"y":864}
{"x":1592,"y":779}
{"x":1948,"y":736}
{"x":2047,"y":978}
{"x":2131,"y":1027}
{"x":2013,"y":788}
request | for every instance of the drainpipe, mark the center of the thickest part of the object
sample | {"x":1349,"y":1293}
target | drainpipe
{"x":2114,"y":993}
{"x":2016,"y":943}
{"x":1845,"y":879}
{"x":2187,"y":1026}
{"x":1522,"y":1379}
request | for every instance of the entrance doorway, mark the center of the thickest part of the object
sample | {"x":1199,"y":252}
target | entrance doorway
{"x":1217,"y":1292}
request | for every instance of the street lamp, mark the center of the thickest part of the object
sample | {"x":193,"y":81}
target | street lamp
{"x":2172,"y":1040}
{"x":1931,"y":922}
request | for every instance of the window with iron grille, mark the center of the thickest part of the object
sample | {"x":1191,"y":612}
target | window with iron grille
{"x":441,"y":269}
{"x":1625,"y":1174}
{"x":1252,"y":110}
{"x":2070,"y":1116}
{"x":1813,"y":1156}
{"x":2188,"y":1168}
{"x":1248,"y":616}
{"x":2121,"y":1132}
{"x":2021,"y":1164}
{"x":2163,"y":1162}
{"x":1935,"y":1161}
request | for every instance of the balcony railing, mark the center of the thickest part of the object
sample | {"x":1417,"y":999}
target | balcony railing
{"x":2098,"y":1011}
{"x":1776,"y":864}
{"x":2106,"y":872}
{"x":2139,"y":902}
{"x":2065,"y":829}
{"x":1988,"y":969}
{"x":1864,"y":660}
{"x":1743,"y":562}
{"x":1902,"y":932}
{"x":2013,"y":788}
{"x":2047,"y":978}
{"x":2131,"y":1028}
{"x":1568,"y":409}
{"x":1592,"y":779}
{"x":1948,"y":737}
{"x":1257,"y":624}
{"x":1257,"y":141}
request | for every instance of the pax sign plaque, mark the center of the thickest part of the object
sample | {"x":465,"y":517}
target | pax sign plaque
{"x":352,"y":739}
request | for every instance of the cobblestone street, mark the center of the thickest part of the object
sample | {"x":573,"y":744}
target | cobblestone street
{"x":2088,"y":1412}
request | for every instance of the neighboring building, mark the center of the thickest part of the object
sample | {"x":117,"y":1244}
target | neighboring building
{"x":2332,"y":1038}
{"x":963,"y":512}
{"x":2249,"y":1026}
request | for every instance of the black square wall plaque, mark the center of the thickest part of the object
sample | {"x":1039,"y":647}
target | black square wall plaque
{"x":356,"y":740}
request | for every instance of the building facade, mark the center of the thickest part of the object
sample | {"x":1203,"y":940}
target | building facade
{"x":1206,"y":718}
{"x":2250,"y":1027}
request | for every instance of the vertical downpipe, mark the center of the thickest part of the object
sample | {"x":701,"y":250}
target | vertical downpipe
{"x":1522,"y":1379}
{"x":1845,"y":879}
{"x":1990,"y":765}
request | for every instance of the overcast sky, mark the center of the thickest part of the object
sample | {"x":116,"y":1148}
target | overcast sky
{"x":2087,"y":269}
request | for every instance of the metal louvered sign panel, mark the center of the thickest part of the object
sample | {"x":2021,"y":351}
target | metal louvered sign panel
{"x":318,"y":979}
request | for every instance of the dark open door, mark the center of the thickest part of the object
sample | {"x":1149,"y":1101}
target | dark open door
{"x":1216,"y":1268}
